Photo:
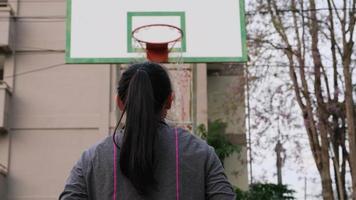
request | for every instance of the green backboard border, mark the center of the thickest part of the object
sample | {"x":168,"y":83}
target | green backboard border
{"x":71,"y":60}
{"x":131,"y":15}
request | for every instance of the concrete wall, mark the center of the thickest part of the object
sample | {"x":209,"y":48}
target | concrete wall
{"x":226,"y":102}
{"x":56,"y":114}
{"x":3,"y":188}
{"x":201,"y":94}
{"x":5,"y":29}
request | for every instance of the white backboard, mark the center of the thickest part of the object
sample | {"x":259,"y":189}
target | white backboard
{"x":100,"y":31}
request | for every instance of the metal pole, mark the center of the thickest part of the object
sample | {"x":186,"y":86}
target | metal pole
{"x":279,"y":150}
{"x":248,"y":121}
{"x":305,"y":188}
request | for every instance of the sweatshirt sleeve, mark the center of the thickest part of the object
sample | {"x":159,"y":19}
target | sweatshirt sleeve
{"x":217,"y":186}
{"x":76,"y":187}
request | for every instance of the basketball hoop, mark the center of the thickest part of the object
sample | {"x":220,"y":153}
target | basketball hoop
{"x":157,"y":40}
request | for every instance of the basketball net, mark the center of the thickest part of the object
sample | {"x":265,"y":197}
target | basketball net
{"x":166,"y":50}
{"x":158,"y":41}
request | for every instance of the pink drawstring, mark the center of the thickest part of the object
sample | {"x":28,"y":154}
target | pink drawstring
{"x":115,"y":175}
{"x":177,"y":164}
{"x":177,"y":167}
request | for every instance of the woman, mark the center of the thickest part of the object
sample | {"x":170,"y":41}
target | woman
{"x":148,"y":159}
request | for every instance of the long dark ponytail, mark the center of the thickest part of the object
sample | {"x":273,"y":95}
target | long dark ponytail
{"x":144,"y":89}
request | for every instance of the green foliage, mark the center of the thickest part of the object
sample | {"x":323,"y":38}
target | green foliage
{"x":216,"y":137}
{"x":264,"y":191}
{"x":241,"y":195}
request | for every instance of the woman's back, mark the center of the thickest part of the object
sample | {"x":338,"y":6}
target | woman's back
{"x":148,"y":159}
{"x":198,"y":169}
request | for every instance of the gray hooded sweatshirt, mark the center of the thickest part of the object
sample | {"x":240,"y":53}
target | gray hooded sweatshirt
{"x":187,"y":169}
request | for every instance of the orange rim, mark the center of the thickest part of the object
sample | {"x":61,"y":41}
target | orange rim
{"x":157,"y":25}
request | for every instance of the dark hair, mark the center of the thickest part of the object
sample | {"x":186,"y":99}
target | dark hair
{"x":144,"y":88}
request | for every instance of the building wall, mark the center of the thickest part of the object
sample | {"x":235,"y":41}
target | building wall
{"x":3,"y":188}
{"x":56,"y":114}
{"x":226,"y":102}
{"x":4,"y":160}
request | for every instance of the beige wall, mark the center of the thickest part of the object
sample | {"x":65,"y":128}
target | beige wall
{"x":56,"y":114}
{"x":201,"y":94}
{"x":41,"y":160}
{"x":226,"y":102}
{"x":3,"y":188}
{"x":5,"y":28}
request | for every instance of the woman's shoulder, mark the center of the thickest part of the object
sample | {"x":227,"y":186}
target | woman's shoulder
{"x":103,"y":144}
{"x":101,"y":150}
{"x":189,"y":141}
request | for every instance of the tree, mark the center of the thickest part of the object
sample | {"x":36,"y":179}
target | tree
{"x":262,"y":191}
{"x":317,"y":41}
{"x":274,"y":117}
{"x":215,"y":136}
